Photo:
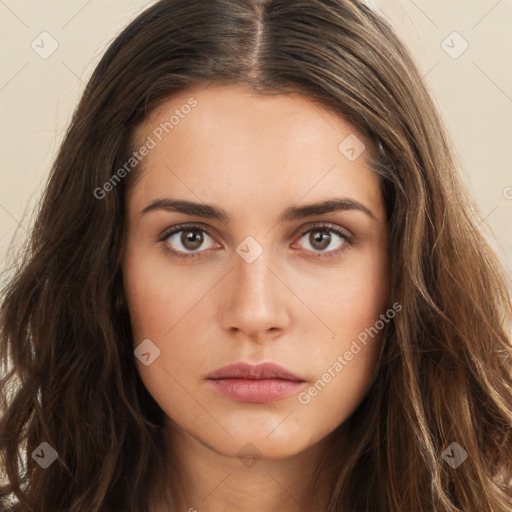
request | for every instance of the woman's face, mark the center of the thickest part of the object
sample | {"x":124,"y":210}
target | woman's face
{"x":255,"y":273}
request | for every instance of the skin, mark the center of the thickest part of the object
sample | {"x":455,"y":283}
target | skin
{"x":254,"y":156}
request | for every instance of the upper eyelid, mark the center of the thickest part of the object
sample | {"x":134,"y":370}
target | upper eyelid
{"x":172,"y":230}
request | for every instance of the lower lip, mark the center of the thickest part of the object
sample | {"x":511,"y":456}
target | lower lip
{"x":255,"y":390}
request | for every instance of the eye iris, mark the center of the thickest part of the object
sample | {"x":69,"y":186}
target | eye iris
{"x":320,"y":237}
{"x":191,"y":239}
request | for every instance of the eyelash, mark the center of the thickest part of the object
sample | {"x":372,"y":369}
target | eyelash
{"x":195,"y":227}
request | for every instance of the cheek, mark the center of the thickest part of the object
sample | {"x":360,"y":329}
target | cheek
{"x":345,"y":364}
{"x":158,"y":297}
{"x":351,"y":304}
{"x":172,"y":308}
{"x":339,"y":389}
{"x":165,"y":307}
{"x":351,"y":297}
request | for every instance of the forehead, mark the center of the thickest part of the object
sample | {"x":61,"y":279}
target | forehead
{"x":234,"y":146}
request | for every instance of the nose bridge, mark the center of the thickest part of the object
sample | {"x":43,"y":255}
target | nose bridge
{"x":255,"y":301}
{"x":252,"y":277}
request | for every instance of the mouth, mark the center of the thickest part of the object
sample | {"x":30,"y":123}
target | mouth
{"x":264,"y":382}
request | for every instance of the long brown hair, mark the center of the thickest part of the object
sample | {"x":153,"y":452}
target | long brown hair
{"x":66,"y":342}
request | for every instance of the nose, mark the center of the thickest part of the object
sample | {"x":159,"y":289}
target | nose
{"x":256,"y":302}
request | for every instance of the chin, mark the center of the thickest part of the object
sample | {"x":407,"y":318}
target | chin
{"x":262,"y":443}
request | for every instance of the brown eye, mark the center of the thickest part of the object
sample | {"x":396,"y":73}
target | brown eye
{"x":183,"y":241}
{"x":321,"y":238}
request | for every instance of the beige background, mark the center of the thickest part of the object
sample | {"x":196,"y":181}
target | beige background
{"x":38,"y":95}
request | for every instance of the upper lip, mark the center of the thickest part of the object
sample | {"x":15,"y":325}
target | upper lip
{"x":253,"y":371}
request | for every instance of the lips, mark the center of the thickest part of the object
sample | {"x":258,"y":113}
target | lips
{"x":264,"y":382}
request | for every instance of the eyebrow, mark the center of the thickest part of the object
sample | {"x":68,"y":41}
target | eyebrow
{"x":290,"y":214}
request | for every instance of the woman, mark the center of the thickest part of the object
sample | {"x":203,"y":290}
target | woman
{"x":330,"y":332}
